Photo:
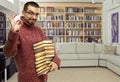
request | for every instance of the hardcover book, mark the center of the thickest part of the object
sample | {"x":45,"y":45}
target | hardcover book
{"x":44,"y":54}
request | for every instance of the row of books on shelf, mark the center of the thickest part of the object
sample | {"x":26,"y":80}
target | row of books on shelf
{"x":68,"y":17}
{"x":51,"y":24}
{"x":89,"y":38}
{"x":54,"y":9}
{"x":93,"y":18}
{"x":91,"y":10}
{"x":92,"y":25}
{"x":68,"y":39}
{"x":74,"y":9}
{"x":58,"y":39}
{"x":73,"y":17}
{"x":74,"y":39}
{"x":50,"y":17}
{"x":93,"y":39}
{"x":80,"y":33}
{"x":42,"y":17}
{"x":74,"y":33}
{"x":86,"y":10}
{"x":42,"y":9}
{"x":68,"y":25}
{"x":55,"y":24}
{"x":70,"y":9}
{"x":2,"y":40}
{"x":74,"y":25}
{"x":55,"y":17}
{"x":92,"y":32}
{"x":51,"y":9}
{"x":2,"y":26}
{"x":67,"y":9}
{"x":71,"y":32}
{"x":55,"y":32}
{"x":2,"y":33}
{"x":42,"y":24}
{"x":2,"y":18}
{"x":85,"y":25}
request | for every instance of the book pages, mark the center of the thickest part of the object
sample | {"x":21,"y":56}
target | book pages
{"x":44,"y":54}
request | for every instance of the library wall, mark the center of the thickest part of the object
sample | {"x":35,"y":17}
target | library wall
{"x":71,"y":22}
{"x":6,"y":5}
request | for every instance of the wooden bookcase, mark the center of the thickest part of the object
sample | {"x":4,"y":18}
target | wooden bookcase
{"x":71,"y":22}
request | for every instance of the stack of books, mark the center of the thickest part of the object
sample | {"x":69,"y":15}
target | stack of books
{"x":44,"y":54}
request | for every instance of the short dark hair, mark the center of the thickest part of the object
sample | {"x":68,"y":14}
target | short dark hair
{"x":31,"y":3}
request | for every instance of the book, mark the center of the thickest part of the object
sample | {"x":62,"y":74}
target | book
{"x":43,"y":48}
{"x":44,"y":54}
{"x":42,"y":42}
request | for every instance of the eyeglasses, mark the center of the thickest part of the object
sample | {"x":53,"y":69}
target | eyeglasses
{"x":32,"y":13}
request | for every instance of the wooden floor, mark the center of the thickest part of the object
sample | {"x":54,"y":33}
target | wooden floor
{"x":88,"y":74}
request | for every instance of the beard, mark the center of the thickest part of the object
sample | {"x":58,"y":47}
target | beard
{"x":30,"y":22}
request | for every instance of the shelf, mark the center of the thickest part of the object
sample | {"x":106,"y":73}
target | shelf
{"x":2,"y":28}
{"x":67,"y":22}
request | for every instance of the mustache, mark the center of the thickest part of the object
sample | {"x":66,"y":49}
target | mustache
{"x":33,"y":19}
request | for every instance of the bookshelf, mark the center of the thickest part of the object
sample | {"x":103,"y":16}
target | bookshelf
{"x":2,"y":41}
{"x":2,"y":28}
{"x":71,"y":22}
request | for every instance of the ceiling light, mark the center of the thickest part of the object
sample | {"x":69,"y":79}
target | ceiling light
{"x":93,"y":1}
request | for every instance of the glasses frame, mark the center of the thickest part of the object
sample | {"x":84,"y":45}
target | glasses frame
{"x":30,"y":12}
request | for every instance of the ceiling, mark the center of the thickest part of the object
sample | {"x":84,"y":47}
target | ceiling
{"x":93,"y":1}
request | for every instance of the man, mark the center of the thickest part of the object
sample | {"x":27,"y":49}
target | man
{"x":23,"y":34}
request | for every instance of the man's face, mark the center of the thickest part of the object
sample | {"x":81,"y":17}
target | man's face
{"x":31,"y":15}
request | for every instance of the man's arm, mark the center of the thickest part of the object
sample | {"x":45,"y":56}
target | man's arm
{"x":10,"y":48}
{"x":56,"y":59}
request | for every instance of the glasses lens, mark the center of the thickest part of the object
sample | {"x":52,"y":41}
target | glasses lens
{"x":32,"y":13}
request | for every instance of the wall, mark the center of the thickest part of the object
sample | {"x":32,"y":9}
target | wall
{"x":9,"y":8}
{"x":63,"y":0}
{"x":109,"y":7}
